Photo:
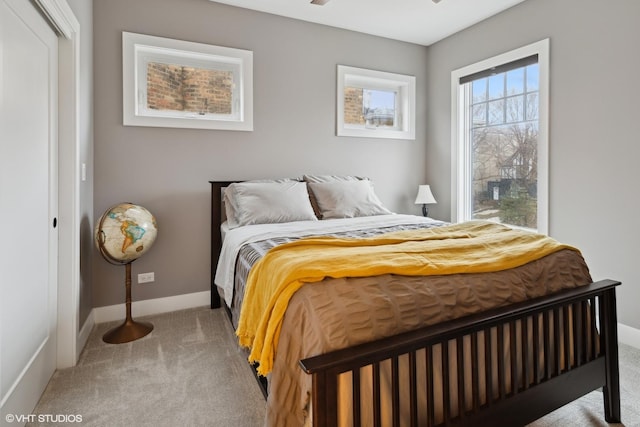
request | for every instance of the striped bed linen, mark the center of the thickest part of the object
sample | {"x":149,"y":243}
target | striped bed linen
{"x":251,"y":252}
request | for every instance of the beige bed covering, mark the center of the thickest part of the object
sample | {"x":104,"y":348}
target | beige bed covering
{"x":381,"y":306}
{"x":469,"y":247}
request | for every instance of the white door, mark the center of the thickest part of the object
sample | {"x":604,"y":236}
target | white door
{"x":28,"y":207}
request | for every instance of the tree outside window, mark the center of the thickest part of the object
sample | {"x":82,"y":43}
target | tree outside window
{"x":504,"y":138}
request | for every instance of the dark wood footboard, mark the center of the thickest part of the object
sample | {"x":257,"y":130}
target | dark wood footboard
{"x":572,"y":351}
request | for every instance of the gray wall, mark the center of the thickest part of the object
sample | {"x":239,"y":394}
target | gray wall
{"x":166,"y":170}
{"x":594,"y":109}
{"x":83,"y":10}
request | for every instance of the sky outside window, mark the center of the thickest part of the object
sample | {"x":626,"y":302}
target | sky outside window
{"x":379,"y":99}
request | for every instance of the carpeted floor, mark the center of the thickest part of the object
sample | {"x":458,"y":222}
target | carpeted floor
{"x":190,"y":372}
{"x":186,"y":372}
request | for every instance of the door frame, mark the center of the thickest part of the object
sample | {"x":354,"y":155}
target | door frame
{"x":63,"y":20}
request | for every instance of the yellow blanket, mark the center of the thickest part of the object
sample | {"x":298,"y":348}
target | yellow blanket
{"x":473,"y":247}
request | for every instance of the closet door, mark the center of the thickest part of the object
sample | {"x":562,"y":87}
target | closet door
{"x":28,"y":206}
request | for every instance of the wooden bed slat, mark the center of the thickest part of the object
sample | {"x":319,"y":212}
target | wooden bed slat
{"x":578,"y":333}
{"x":475,"y":373}
{"x":536,"y":349}
{"x":460,"y":376}
{"x":356,"y":397}
{"x":525,"y":353}
{"x":446,"y":395}
{"x":594,"y":333}
{"x":502,"y":375}
{"x":395,"y":391}
{"x":546,"y":344}
{"x":430,"y":394}
{"x":377,"y":418}
{"x":513,"y":357}
{"x":557,"y":352}
{"x":413,"y":388}
{"x":566,"y":337}
{"x":488,"y":365}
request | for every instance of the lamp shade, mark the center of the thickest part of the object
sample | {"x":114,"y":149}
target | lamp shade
{"x":424,"y":195}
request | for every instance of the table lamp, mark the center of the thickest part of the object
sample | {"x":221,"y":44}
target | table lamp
{"x":425,"y":197}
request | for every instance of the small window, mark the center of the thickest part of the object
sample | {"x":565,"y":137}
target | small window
{"x":371,"y":108}
{"x":184,"y":91}
{"x":375,"y":104}
{"x":173,"y":83}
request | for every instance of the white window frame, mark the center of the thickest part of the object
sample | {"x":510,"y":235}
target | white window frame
{"x":403,"y":85}
{"x":140,"y":49}
{"x":461,"y":208}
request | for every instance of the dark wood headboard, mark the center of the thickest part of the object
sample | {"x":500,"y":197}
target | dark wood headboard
{"x":216,"y":237}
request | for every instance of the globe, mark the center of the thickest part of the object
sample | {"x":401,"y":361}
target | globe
{"x":125,"y":232}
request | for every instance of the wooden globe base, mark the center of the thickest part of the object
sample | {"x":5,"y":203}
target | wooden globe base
{"x":130,"y":330}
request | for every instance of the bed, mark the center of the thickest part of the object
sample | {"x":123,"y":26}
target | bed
{"x":488,"y":356}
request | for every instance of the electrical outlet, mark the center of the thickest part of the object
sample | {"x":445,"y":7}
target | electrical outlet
{"x":146,"y":277}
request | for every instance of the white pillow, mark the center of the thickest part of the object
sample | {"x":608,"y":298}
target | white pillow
{"x":267,"y":203}
{"x":347,"y":199}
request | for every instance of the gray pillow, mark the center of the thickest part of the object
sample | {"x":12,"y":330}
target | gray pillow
{"x":347,"y":199}
{"x":326,"y":178}
{"x":249,"y":203}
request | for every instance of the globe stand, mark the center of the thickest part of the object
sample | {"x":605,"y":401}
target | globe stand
{"x":130,"y":330}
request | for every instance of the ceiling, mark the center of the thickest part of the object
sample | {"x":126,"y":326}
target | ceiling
{"x":416,"y":21}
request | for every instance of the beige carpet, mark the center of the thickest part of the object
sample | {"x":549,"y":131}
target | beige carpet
{"x":190,"y":372}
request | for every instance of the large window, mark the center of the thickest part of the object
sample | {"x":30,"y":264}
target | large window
{"x":500,"y":139}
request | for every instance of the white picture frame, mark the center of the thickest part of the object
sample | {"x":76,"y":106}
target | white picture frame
{"x":387,"y":101}
{"x":148,"y":59}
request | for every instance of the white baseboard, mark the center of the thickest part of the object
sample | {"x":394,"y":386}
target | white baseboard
{"x":85,"y":331}
{"x":628,"y":335}
{"x":152,"y":306}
